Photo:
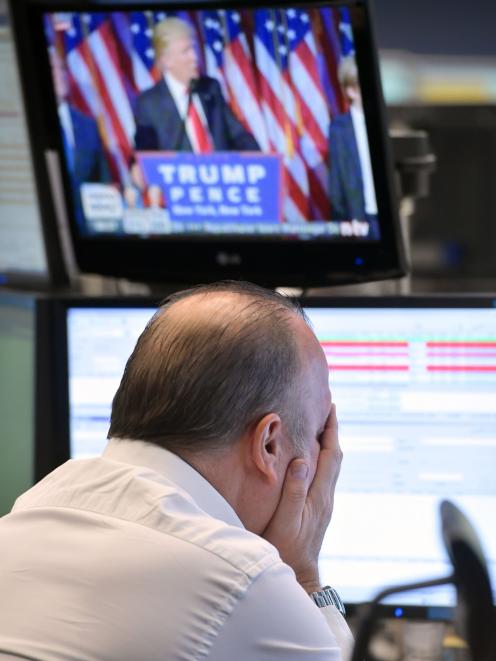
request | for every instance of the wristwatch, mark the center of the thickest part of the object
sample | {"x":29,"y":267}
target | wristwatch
{"x":328,"y":597}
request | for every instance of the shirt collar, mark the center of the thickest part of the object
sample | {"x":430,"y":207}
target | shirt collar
{"x":176,"y":87}
{"x":176,"y":470}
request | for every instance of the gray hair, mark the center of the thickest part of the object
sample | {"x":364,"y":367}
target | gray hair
{"x":195,"y":382}
{"x":167,"y":30}
{"x":348,"y":72}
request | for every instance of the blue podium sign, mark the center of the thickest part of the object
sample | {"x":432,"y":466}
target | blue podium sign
{"x":234,"y":187}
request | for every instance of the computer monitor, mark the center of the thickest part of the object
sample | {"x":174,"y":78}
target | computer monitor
{"x":261,"y":154}
{"x":414,"y":381}
{"x":30,"y":255}
{"x":82,"y":348}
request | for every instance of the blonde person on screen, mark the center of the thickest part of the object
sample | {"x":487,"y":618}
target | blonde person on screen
{"x":185,"y":111}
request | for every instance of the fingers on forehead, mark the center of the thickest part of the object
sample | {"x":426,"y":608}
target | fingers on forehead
{"x":327,"y":468}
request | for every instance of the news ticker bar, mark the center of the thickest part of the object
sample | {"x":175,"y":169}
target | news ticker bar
{"x":156,"y":223}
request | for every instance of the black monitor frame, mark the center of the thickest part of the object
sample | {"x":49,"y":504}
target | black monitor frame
{"x":55,"y":275}
{"x":271,"y":262}
{"x":52,"y":433}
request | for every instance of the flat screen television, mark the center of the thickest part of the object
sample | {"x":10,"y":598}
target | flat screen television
{"x":208,"y":140}
{"x":414,"y":381}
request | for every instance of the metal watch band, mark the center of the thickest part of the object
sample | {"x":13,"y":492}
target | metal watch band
{"x":328,"y":597}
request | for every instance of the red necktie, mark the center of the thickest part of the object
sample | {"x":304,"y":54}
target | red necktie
{"x":201,"y":134}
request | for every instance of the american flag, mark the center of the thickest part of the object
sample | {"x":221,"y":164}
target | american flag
{"x":228,"y":58}
{"x":280,"y":110}
{"x":97,"y":84}
{"x":346,"y":32}
{"x":134,"y":31}
{"x":329,"y":33}
{"x":311,"y":106}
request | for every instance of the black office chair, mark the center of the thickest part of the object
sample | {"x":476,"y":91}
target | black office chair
{"x":471,"y":579}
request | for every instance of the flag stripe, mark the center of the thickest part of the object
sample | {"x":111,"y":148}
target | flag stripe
{"x":109,"y":71}
{"x":310,"y":95}
{"x":92,"y":101}
{"x":106,"y":110}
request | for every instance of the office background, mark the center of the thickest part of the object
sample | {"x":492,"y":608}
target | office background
{"x":439,"y":73}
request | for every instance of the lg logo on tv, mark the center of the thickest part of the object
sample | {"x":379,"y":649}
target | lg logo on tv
{"x":228,"y":258}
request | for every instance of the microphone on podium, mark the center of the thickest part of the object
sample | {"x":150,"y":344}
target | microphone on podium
{"x":193,"y":86}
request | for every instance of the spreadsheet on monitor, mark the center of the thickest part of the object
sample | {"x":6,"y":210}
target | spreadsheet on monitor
{"x":415,"y":391}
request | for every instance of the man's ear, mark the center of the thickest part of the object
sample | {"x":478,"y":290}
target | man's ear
{"x":267,"y":446}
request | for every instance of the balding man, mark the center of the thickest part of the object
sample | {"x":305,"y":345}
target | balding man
{"x":185,"y":111}
{"x":196,"y":534}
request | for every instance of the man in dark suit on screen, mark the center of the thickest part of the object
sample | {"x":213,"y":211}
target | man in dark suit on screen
{"x":89,"y":164}
{"x":80,"y":136}
{"x":351,"y":184}
{"x":84,"y":155}
{"x":185,"y":111}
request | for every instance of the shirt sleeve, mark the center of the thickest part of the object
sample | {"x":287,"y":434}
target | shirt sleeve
{"x":276,"y":620}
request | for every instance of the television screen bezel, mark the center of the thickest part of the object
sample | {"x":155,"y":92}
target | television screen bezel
{"x":54,"y":272}
{"x":268,"y":261}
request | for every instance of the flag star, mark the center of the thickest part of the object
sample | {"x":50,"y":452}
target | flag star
{"x":281,"y":29}
{"x":283,"y":50}
{"x":346,"y":29}
{"x":304,"y":17}
{"x":150,"y":53}
{"x":291,"y":35}
{"x":269,"y":25}
{"x":235,"y":17}
{"x":135,"y":28}
{"x":217,"y":45}
{"x":87,"y":18}
{"x":72,"y":32}
{"x":149,"y":33}
{"x":212,"y":24}
{"x":291,"y":13}
{"x":161,"y":15}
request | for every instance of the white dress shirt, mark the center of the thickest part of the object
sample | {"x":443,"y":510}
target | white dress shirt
{"x":66,"y":123}
{"x":135,"y":556}
{"x":358,"y":119}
